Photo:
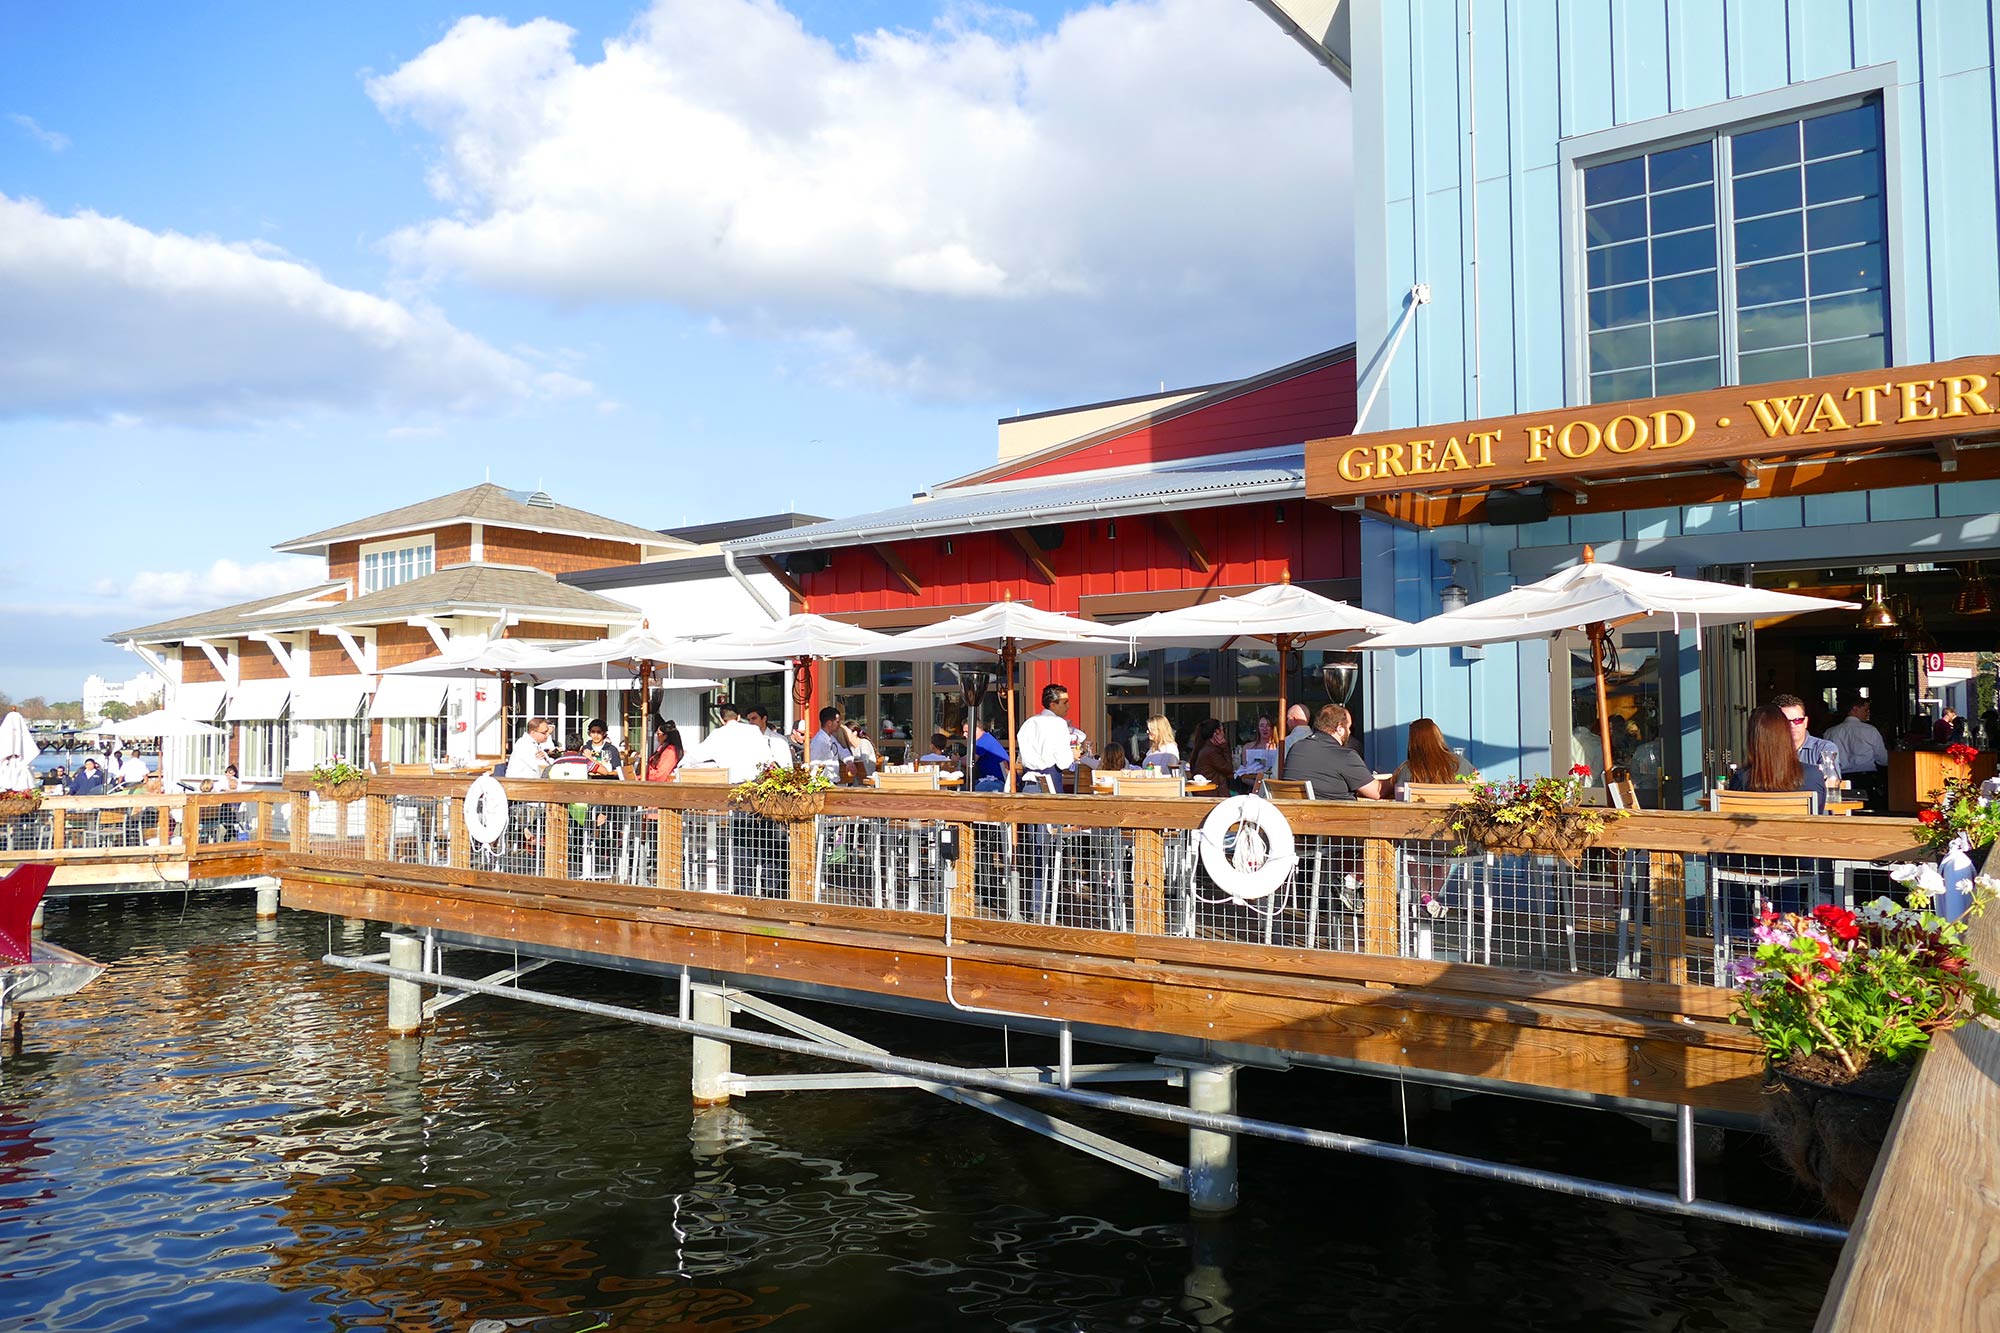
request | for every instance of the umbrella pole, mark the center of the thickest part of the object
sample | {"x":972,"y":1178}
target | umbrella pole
{"x":1284,"y":665}
{"x":645,"y":716}
{"x":1598,"y":635}
{"x":1013,"y":728}
{"x":802,"y":697}
{"x":506,"y":679}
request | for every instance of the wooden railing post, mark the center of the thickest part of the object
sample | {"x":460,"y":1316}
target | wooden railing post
{"x":803,"y":841}
{"x":1378,"y":915}
{"x":1149,"y":882}
{"x":301,"y":823}
{"x":58,"y":829}
{"x":1666,"y":934}
{"x":458,"y":851}
{"x":555,"y":839}
{"x":671,"y":846}
{"x":191,"y":814}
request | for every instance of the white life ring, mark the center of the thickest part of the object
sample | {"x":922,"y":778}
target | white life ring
{"x":1246,"y":847}
{"x":486,"y":809}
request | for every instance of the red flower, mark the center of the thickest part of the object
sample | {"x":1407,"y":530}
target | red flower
{"x":1837,"y":921}
{"x":1928,"y":817}
{"x":1961,"y":752}
{"x":1579,"y":770}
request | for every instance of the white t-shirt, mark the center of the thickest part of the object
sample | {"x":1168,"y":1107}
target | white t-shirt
{"x":1046,"y":743}
{"x":530,"y":758}
{"x":827,"y":749}
{"x":133,"y":770}
{"x":737,"y":746}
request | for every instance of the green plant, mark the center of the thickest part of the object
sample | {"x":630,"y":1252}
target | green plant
{"x":1523,"y":811}
{"x":1959,"y":811}
{"x":336,"y":772}
{"x":1856,"y":988}
{"x":776,"y":781}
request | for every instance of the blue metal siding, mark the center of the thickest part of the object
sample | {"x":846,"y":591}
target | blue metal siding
{"x":1543,"y":70}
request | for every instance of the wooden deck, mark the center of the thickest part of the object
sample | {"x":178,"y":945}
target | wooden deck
{"x":1924,"y":1251}
{"x":165,"y":841}
{"x":1553,"y":1003}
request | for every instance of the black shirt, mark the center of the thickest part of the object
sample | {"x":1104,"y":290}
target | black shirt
{"x":1336,"y":772}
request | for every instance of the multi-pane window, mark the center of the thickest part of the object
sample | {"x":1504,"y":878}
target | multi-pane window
{"x":202,"y":756}
{"x":1188,"y":685}
{"x":261,"y":755}
{"x":319,"y":742}
{"x":413,"y":740}
{"x":388,"y":566}
{"x":1780,"y":275}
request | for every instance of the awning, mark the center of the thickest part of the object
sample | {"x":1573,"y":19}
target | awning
{"x":328,"y":698}
{"x":201,"y":701}
{"x":408,"y":696}
{"x":258,"y":701}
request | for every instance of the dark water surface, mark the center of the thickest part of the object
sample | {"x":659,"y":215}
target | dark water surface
{"x":217,"y":1135}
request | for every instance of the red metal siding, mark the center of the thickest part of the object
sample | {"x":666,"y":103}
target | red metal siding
{"x":1311,"y":406}
{"x":1245,"y":544}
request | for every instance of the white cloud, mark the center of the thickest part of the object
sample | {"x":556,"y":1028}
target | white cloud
{"x":106,"y":320}
{"x":1153,"y":189}
{"x":49,"y":139}
{"x":224,"y":583}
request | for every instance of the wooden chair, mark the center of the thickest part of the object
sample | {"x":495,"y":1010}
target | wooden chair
{"x":1284,"y":789}
{"x":703,"y":777}
{"x":1725,"y":801}
{"x":898,"y":781}
{"x":1620,"y":789}
{"x":1147,"y":784}
{"x":1431,"y":793}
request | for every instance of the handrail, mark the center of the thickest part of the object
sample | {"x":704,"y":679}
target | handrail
{"x":1919,"y":1254}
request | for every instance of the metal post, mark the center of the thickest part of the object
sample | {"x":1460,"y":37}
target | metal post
{"x":35,"y":921}
{"x":1684,"y":1150}
{"x":710,"y":1057}
{"x":406,"y":998}
{"x":267,"y":900}
{"x":1211,"y":1171}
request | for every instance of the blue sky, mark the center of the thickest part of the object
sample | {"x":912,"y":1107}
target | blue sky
{"x":270,"y":268}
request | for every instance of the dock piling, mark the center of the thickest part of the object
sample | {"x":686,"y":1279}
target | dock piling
{"x":710,"y":1062}
{"x":406,"y":998}
{"x":1211,"y":1170}
{"x":267,"y":899}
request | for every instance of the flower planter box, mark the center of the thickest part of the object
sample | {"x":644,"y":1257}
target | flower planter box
{"x":350,"y":790}
{"x":11,"y":806}
{"x":783,"y":807}
{"x":1830,"y":1133}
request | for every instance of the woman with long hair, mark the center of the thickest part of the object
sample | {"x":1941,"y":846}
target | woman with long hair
{"x":1772,"y":759}
{"x":1211,"y":753}
{"x":667,"y":750}
{"x":1161,"y":750}
{"x":1431,"y":760}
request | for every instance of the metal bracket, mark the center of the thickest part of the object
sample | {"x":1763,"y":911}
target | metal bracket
{"x":503,"y":977}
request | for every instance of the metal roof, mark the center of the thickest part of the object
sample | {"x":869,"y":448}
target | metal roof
{"x":485,"y":503}
{"x":1213,"y":483}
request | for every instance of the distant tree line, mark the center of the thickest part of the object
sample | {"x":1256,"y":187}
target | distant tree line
{"x":38,"y":709}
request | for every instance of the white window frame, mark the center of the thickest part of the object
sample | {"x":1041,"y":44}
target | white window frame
{"x":202,"y":756}
{"x":1739,"y":114}
{"x":423,"y":552}
{"x":322,"y":740}
{"x":261,"y":755}
{"x":414,"y":740}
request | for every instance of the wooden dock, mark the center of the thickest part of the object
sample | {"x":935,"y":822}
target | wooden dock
{"x":1592,"y":980}
{"x":149,"y":843}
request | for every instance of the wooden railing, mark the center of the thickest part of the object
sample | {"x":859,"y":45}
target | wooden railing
{"x":1921,"y":1253}
{"x":1384,"y":946}
{"x":180,"y":835}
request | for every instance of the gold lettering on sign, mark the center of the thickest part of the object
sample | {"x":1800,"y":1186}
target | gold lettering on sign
{"x":1827,"y":412}
{"x":1870,"y":416}
{"x":1540,"y":437}
{"x":1354,"y":464}
{"x":1484,"y":438}
{"x":1452,"y":457}
{"x":1590,"y":439}
{"x":1421,"y":458}
{"x":1913,"y":393}
{"x":1779,"y":415}
{"x":1614,"y":440}
{"x":1959,"y":390}
{"x":1389,"y":460}
{"x":1682,"y":419}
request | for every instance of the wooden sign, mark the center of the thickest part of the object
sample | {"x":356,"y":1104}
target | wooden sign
{"x":1829,"y":414}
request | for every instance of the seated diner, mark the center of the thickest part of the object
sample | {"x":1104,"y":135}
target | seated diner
{"x":1336,"y":772}
{"x":1431,"y":760}
{"x":1771,"y":761}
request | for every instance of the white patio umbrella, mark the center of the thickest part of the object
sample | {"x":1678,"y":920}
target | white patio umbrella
{"x":1598,"y":599}
{"x":801,"y":638}
{"x":1287,"y":617}
{"x":635,"y":654}
{"x":18,"y":752}
{"x":159,"y":724}
{"x":1009,"y":632}
{"x":470,"y":659}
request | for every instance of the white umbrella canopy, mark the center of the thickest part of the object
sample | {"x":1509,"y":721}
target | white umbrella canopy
{"x":1287,"y":617}
{"x":18,"y":752}
{"x":1599,"y":599}
{"x":1009,"y":632}
{"x":640,"y":647}
{"x":158,"y":724}
{"x":796,"y":636}
{"x":485,"y":657}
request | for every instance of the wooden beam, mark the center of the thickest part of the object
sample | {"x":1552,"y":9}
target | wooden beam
{"x":1178,"y":526}
{"x":1033,"y":553}
{"x":785,"y":580}
{"x":1752,"y":472}
{"x":897,"y":569}
{"x":1947,"y":454}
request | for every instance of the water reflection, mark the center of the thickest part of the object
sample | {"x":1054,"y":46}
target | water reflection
{"x":218,"y":1134}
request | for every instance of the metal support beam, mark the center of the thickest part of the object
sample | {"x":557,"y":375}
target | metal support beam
{"x":504,"y":977}
{"x":1454,"y":1163}
{"x":1165,"y":1174}
{"x":1033,"y":554}
{"x":1046,"y":1075}
{"x":898,"y":569}
{"x":1947,"y":452}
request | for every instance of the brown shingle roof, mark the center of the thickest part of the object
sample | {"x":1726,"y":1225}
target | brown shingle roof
{"x":526,"y":592}
{"x":484,"y":503}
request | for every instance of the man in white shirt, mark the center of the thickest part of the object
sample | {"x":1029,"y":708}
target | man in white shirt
{"x":530,"y":757}
{"x":829,"y":746}
{"x":735,"y":745}
{"x":1863,"y":754}
{"x":1048,"y":746}
{"x":133,"y":771}
{"x":774,"y":740}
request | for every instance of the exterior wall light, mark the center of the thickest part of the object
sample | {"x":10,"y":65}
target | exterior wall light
{"x":1453,"y":596}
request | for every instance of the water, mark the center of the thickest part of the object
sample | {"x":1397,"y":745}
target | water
{"x":73,"y":760}
{"x":217,"y":1135}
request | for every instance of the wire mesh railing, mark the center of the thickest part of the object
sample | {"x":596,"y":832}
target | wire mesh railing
{"x":1662,"y":897}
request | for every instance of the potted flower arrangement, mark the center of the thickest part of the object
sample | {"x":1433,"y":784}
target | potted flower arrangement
{"x":784,"y":795}
{"x":25,"y":801}
{"x":1959,"y":810}
{"x":337,"y":780}
{"x":1845,"y":1002}
{"x":1526,"y":816}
